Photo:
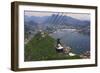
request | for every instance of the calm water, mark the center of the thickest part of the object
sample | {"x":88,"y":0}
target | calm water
{"x":77,"y":41}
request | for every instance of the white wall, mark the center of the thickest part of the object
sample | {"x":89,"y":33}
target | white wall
{"x":5,"y":41}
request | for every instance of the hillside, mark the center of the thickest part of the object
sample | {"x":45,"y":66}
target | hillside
{"x":42,"y":48}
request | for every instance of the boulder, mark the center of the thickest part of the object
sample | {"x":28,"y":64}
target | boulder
{"x":66,"y":50}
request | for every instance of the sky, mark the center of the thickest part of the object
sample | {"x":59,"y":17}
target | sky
{"x":80,"y":16}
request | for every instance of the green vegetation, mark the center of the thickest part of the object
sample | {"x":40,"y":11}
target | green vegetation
{"x":43,"y":48}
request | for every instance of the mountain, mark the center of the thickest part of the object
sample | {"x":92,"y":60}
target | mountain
{"x":39,"y":48}
{"x":56,"y":19}
{"x":53,"y":22}
{"x":35,"y":18}
{"x":66,"y":20}
{"x":43,"y":48}
{"x":30,"y":25}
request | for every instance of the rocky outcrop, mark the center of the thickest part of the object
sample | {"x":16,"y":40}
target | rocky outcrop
{"x":68,"y":51}
{"x":85,"y":55}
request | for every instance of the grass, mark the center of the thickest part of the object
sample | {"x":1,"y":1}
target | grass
{"x":42,"y":48}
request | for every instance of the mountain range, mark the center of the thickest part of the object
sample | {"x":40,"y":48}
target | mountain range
{"x":55,"y":20}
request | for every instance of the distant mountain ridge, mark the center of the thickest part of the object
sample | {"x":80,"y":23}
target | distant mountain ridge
{"x":66,"y":20}
{"x":55,"y":19}
{"x":35,"y":18}
{"x":53,"y":22}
